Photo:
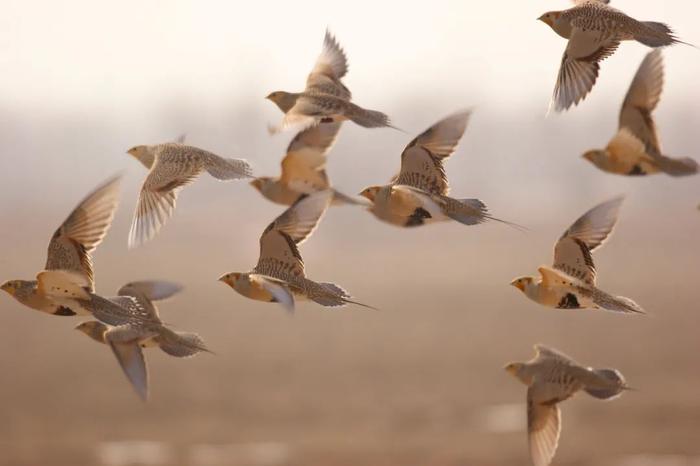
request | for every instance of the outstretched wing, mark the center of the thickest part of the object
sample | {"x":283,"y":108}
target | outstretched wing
{"x":580,"y":66}
{"x":642,"y":98}
{"x":330,"y":67}
{"x":83,"y":230}
{"x":303,"y":168}
{"x":279,"y":254}
{"x":421,"y":160}
{"x":543,"y":426}
{"x":572,"y":253}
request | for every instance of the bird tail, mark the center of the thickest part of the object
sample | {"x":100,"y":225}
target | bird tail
{"x":331,"y":295}
{"x":677,"y":167}
{"x":367,"y":118}
{"x":470,"y":212}
{"x":610,"y":384}
{"x":227,"y":169}
{"x":181,"y":344}
{"x":653,"y":34}
{"x":343,"y":199}
{"x":615,"y":303}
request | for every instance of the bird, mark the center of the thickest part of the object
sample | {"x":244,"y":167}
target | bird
{"x":127,"y":340}
{"x":325,"y":99}
{"x":304,"y":168}
{"x":552,"y":377}
{"x":635,"y":149}
{"x":172,"y":166}
{"x":70,"y":249}
{"x":280,"y":275}
{"x":595,"y":30}
{"x":418,"y":195}
{"x":571,"y":282}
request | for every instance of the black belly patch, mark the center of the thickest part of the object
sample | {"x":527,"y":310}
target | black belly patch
{"x":64,"y":311}
{"x":417,"y":217}
{"x":637,"y":171}
{"x":327,"y":120}
{"x":569,"y":302}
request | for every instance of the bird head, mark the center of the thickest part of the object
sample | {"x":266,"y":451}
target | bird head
{"x":550,"y":17}
{"x":370,"y":193}
{"x":143,"y":154}
{"x":596,"y":157}
{"x":513,"y":368}
{"x":230,"y":279}
{"x":522,"y":282}
{"x":284,"y":100}
{"x":261,"y":182}
{"x":10,"y":287}
{"x":94,"y":329}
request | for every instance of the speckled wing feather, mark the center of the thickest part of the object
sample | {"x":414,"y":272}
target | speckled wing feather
{"x":330,"y":67}
{"x":279,"y":254}
{"x":83,"y":230}
{"x":544,"y":427}
{"x":158,"y":196}
{"x":580,"y":66}
{"x":642,"y":98}
{"x":543,"y":353}
{"x":572,"y":253}
{"x":421,"y":160}
{"x":303,"y":166}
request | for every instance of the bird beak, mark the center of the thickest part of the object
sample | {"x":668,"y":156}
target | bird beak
{"x":223,"y":278}
{"x":518,"y":285}
{"x":6,"y":288}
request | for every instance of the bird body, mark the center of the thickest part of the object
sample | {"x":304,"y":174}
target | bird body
{"x":553,"y":377}
{"x":173,"y":166}
{"x":594,"y":31}
{"x":127,"y":339}
{"x":325,"y":98}
{"x":70,"y":250}
{"x":571,"y":282}
{"x":279,"y":275}
{"x":635,"y":149}
{"x":418,"y":195}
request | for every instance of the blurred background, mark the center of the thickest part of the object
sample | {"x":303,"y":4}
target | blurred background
{"x":418,"y":383}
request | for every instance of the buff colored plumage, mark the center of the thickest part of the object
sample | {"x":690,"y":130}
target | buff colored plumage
{"x":127,"y":340}
{"x":418,"y":195}
{"x":303,"y":168}
{"x":571,"y":282}
{"x":280,"y":275}
{"x":173,"y":166}
{"x":325,"y":98}
{"x":70,"y":249}
{"x":553,"y":377}
{"x":635,"y":150}
{"x":595,"y":31}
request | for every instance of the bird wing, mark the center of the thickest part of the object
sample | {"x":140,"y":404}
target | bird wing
{"x":83,"y":230}
{"x":543,"y":426}
{"x":543,"y":353}
{"x":572,"y":253}
{"x":642,"y":98}
{"x":331,"y":65}
{"x":581,"y":2}
{"x":421,"y":160}
{"x":279,"y":242}
{"x":303,"y":166}
{"x":580,"y":66}
{"x":131,"y":359}
{"x":62,"y":284}
{"x":159,"y":194}
{"x":154,"y":290}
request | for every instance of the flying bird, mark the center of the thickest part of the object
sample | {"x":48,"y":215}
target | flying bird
{"x":127,"y":340}
{"x":595,"y":31}
{"x":173,"y":166}
{"x":418,"y":195}
{"x":571,"y":282}
{"x":552,"y":377}
{"x":70,"y":249}
{"x":635,"y":149}
{"x":303,"y":168}
{"x":325,"y":98}
{"x":280,"y":275}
